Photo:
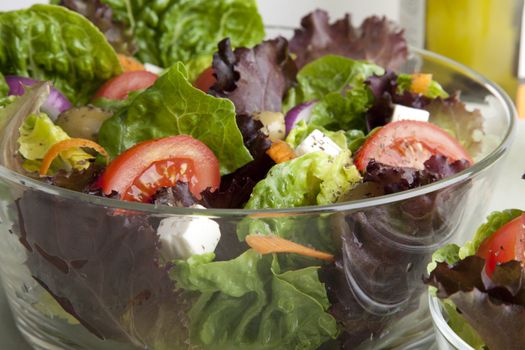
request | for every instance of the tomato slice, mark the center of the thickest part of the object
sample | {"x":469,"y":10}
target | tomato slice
{"x":206,"y":80}
{"x":409,"y":143}
{"x":120,"y":86}
{"x":506,"y":244}
{"x":139,"y":172}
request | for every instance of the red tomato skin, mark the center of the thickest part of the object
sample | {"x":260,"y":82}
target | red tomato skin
{"x":506,"y":244}
{"x":124,"y":171}
{"x":120,"y":86}
{"x":205,"y":80}
{"x":396,"y":144}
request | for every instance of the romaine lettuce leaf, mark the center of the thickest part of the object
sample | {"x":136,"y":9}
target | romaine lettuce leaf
{"x":377,"y":40}
{"x":172,"y":107}
{"x":37,"y":135}
{"x":4,"y":88}
{"x":51,"y":43}
{"x":315,"y":178}
{"x":248,"y":302}
{"x":101,"y":15}
{"x":191,"y":30}
{"x":457,"y":322}
{"x":167,"y":32}
{"x":493,"y":223}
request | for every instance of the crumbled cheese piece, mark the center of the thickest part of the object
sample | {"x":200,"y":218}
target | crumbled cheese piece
{"x":408,"y":113}
{"x":182,"y":237}
{"x":317,"y":141}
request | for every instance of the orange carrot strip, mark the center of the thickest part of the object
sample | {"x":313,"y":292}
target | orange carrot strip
{"x":61,"y":146}
{"x":420,"y":83}
{"x":280,"y":152}
{"x":274,"y":244}
{"x":129,"y":64}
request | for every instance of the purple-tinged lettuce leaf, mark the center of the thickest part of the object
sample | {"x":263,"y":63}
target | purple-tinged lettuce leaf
{"x":377,"y":40}
{"x":101,"y":15}
{"x":255,"y":80}
{"x":253,"y":137}
{"x":396,"y":179}
{"x":494,"y":307}
{"x":76,"y":180}
{"x":102,"y":267}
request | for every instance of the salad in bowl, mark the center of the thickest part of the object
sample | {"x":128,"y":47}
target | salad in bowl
{"x":481,"y":287}
{"x":172,"y":179}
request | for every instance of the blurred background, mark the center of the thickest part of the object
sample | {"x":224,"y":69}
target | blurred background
{"x":483,"y":34}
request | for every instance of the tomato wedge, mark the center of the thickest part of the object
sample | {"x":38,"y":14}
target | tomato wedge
{"x":139,"y":172}
{"x":206,"y":80}
{"x":120,"y":86}
{"x":506,"y":244}
{"x":409,"y":143}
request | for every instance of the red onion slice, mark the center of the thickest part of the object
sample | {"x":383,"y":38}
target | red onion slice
{"x":298,"y":113}
{"x":55,"y":104}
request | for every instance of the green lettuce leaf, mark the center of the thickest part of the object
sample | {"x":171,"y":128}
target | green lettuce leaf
{"x":4,"y":88}
{"x":435,"y":90}
{"x":337,"y":112}
{"x":315,"y":178}
{"x":327,"y":75}
{"x":192,"y":28}
{"x":494,"y":221}
{"x":47,"y":42}
{"x":448,"y":253}
{"x":247,"y":303}
{"x":457,"y":322}
{"x":188,"y":31}
{"x":37,"y":135}
{"x":172,"y":107}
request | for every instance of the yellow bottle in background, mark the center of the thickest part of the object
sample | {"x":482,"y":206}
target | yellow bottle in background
{"x":482,"y":34}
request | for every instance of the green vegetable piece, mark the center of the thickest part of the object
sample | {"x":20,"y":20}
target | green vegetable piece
{"x":247,"y":303}
{"x":462,"y":328}
{"x":315,"y":178}
{"x":47,"y":42}
{"x":173,"y":107}
{"x":37,"y":135}
{"x":188,"y":31}
{"x":448,"y":253}
{"x":327,"y":75}
{"x":4,"y":88}
{"x":192,"y":28}
{"x":494,"y":222}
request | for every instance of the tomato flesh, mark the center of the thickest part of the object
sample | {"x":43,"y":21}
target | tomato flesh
{"x":120,"y":86}
{"x":409,"y":143}
{"x":139,"y":172}
{"x":506,"y":244}
{"x":205,"y":80}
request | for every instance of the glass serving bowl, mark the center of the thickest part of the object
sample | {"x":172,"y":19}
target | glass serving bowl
{"x":446,"y":338}
{"x":83,"y":272}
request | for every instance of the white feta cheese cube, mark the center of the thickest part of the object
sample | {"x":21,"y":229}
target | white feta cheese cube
{"x":317,"y":141}
{"x":408,"y":113}
{"x":153,"y":68}
{"x":182,"y":237}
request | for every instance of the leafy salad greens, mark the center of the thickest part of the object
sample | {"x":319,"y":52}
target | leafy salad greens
{"x":184,"y":104}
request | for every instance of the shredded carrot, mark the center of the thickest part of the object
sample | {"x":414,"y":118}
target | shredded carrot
{"x":130,"y":64}
{"x":280,"y":152}
{"x":61,"y":146}
{"x":274,"y":244}
{"x":420,"y":83}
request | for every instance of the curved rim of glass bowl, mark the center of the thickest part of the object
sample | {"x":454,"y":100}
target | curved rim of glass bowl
{"x":436,"y":311}
{"x":478,"y":167}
